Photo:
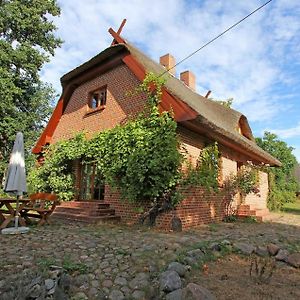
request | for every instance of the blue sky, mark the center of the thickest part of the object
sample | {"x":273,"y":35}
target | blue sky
{"x":257,"y":63}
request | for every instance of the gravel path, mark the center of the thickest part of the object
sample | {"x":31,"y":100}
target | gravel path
{"x":118,"y":262}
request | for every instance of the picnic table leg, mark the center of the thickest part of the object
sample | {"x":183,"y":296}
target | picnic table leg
{"x":11,"y":216}
{"x":6,"y":222}
{"x":22,"y":220}
{"x":26,"y":218}
{"x":43,"y":219}
{"x":47,"y":220}
{"x":2,"y":218}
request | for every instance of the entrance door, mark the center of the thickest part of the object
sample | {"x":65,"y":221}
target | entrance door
{"x":91,"y":183}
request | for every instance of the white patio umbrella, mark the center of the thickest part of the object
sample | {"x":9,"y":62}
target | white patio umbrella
{"x":16,"y":180}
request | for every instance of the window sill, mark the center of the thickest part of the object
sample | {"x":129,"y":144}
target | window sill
{"x":92,"y":111}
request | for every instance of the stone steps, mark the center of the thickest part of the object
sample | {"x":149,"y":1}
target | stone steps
{"x":85,"y":211}
{"x":84,"y":218}
{"x":88,"y":212}
{"x":85,"y":204}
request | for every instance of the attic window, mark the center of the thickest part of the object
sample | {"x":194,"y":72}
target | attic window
{"x":97,"y":99}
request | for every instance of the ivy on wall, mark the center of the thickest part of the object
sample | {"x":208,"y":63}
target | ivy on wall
{"x":244,"y":182}
{"x":206,"y":172}
{"x":141,"y":158}
{"x":56,"y":174}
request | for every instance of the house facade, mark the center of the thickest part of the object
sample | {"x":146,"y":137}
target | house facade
{"x":96,"y":98}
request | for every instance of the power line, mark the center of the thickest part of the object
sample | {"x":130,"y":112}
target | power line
{"x":218,"y":36}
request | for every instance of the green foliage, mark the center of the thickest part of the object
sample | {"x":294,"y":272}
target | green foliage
{"x":209,"y":253}
{"x":56,"y":174}
{"x":249,"y":220}
{"x":68,"y":264}
{"x":26,"y":41}
{"x":230,"y":218}
{"x":244,"y":182}
{"x":206,"y":172}
{"x":140,"y":158}
{"x":213,"y":227}
{"x":293,"y":208}
{"x":46,"y":263}
{"x":71,"y":266}
{"x":282,"y":183}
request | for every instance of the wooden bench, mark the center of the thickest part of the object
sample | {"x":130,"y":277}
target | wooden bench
{"x":41,"y":207}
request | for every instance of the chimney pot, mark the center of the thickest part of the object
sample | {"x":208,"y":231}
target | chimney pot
{"x":189,"y":79}
{"x":168,"y":61}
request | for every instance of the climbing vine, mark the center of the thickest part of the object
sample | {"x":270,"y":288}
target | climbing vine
{"x":244,"y":182}
{"x":141,"y":159}
{"x":56,"y":174}
{"x":206,"y":172}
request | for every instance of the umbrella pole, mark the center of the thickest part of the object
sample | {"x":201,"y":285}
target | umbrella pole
{"x":17,"y":213}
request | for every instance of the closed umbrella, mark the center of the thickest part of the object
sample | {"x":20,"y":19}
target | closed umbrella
{"x":16,"y":179}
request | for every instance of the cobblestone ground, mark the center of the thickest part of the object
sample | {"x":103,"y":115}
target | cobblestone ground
{"x":114,"y":261}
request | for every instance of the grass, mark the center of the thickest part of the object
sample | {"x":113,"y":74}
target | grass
{"x":121,"y":251}
{"x":69,"y":265}
{"x":44,"y":264}
{"x":249,"y":219}
{"x":208,"y":254}
{"x":292,"y":208}
{"x":72,"y":266}
{"x":213,"y":227}
{"x":293,"y":247}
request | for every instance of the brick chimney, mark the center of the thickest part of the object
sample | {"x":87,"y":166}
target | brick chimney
{"x":168,"y":61}
{"x":189,"y":79}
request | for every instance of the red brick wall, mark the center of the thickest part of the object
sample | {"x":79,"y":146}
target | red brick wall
{"x":119,"y":104}
{"x":127,"y":211}
{"x":259,"y":201}
{"x":198,"y":207}
{"x":193,"y":143}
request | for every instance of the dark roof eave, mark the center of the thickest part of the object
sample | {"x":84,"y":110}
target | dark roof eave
{"x":241,"y":143}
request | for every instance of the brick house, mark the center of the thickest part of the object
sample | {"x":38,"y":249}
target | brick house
{"x":95,"y":98}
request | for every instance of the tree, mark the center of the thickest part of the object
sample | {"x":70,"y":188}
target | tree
{"x":26,"y":41}
{"x":282,"y":183}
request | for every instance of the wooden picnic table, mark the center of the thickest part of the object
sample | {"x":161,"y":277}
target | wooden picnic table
{"x":39,"y":206}
{"x":8,"y":212}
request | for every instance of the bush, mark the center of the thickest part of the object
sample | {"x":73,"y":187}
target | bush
{"x":282,"y":183}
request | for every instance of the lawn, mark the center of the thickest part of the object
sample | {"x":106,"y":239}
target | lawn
{"x":293,"y":208}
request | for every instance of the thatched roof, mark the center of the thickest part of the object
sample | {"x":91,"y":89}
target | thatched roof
{"x":219,"y":118}
{"x":223,"y":121}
